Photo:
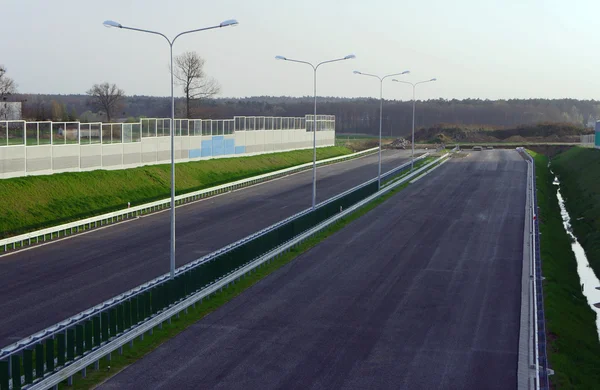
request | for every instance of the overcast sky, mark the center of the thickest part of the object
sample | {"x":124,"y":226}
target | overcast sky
{"x":496,"y":49}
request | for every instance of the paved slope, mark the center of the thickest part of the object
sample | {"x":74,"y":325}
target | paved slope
{"x":46,"y":284}
{"x":421,"y":293}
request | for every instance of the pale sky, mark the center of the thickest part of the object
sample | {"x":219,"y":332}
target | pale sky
{"x":495,"y":49}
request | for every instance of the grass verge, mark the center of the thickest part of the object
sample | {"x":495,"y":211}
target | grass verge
{"x":418,"y":164}
{"x":578,"y":170}
{"x":178,"y":325}
{"x":573,"y":347}
{"x":34,"y":202}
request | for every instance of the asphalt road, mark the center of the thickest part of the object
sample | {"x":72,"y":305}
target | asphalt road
{"x":423,"y":292}
{"x":47,"y":284}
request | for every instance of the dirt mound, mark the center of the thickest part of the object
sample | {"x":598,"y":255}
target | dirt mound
{"x":399,"y":143}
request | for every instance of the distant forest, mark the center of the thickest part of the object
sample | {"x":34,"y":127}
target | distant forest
{"x":358,"y":115}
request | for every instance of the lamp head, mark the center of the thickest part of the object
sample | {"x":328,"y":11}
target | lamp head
{"x":280,"y":58}
{"x":112,"y":23}
{"x":230,"y":22}
{"x":405,"y":72}
{"x":350,"y":57}
{"x":396,"y":80}
{"x":356,"y":72}
{"x":433,"y":79}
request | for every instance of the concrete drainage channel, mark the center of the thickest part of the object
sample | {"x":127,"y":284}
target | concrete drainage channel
{"x":72,"y":228}
{"x":49,"y":357}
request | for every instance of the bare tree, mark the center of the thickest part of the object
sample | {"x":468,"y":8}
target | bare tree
{"x":7,"y":87}
{"x":189,"y":72}
{"x":106,"y":98}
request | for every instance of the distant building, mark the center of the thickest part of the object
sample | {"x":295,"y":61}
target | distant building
{"x":10,"y":111}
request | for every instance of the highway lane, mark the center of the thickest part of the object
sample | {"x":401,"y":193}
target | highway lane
{"x":46,"y":284}
{"x":422,"y":292}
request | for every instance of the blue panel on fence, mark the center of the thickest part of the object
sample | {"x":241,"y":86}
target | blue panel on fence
{"x":229,"y":146}
{"x":194,"y":153}
{"x":217,"y":145}
{"x":240,"y":149}
{"x":206,"y":152}
{"x":206,"y":144}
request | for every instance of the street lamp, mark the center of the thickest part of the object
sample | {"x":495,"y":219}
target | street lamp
{"x":412,"y":161}
{"x":227,"y":23}
{"x":348,"y":57}
{"x":380,"y":110}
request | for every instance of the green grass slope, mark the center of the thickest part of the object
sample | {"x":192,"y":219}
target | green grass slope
{"x":574,"y":349}
{"x":34,"y":202}
{"x":579,"y":174}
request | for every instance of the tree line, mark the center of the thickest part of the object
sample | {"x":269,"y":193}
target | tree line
{"x":108,"y":102}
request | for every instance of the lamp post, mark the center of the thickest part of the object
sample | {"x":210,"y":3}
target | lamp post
{"x":227,"y":23}
{"x":315,"y":67}
{"x":412,"y":161}
{"x":380,"y":111}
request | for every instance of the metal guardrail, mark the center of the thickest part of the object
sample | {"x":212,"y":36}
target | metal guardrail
{"x":540,"y":360}
{"x":105,"y":348}
{"x":75,"y":227}
{"x":106,"y":315}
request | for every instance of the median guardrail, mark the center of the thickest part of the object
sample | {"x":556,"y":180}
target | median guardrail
{"x":538,"y":322}
{"x":54,"y":354}
{"x":75,"y":227}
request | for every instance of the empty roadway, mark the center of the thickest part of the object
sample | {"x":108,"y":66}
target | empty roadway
{"x":423,"y":292}
{"x":47,"y":284}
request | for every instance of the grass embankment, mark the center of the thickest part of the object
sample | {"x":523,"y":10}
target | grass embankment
{"x":31,"y":203}
{"x":573,"y":349}
{"x":578,"y":170}
{"x":178,"y":325}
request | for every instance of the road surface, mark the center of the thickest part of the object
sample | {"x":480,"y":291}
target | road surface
{"x":422,"y":292}
{"x":47,"y":284}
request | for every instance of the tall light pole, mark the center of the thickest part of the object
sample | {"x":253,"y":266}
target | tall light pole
{"x":412,"y":161}
{"x":315,"y":67}
{"x":227,"y":23}
{"x":380,"y":111}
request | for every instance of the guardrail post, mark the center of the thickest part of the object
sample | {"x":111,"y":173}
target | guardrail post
{"x":70,"y":344}
{"x":28,"y":365}
{"x":126,"y":315}
{"x":50,"y":355}
{"x":119,"y":320}
{"x":134,"y":310}
{"x":78,"y":340}
{"x":61,"y":348}
{"x":39,"y":360}
{"x":148,"y":301}
{"x":89,"y":335}
{"x":153,"y":300}
{"x":142,"y":306}
{"x":96,"y":323}
{"x":104,"y":324}
{"x":16,"y":371}
{"x":4,"y":375}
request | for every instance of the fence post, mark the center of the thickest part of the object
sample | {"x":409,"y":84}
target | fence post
{"x":4,"y":376}
{"x":39,"y":360}
{"x":61,"y":348}
{"x":16,"y":371}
